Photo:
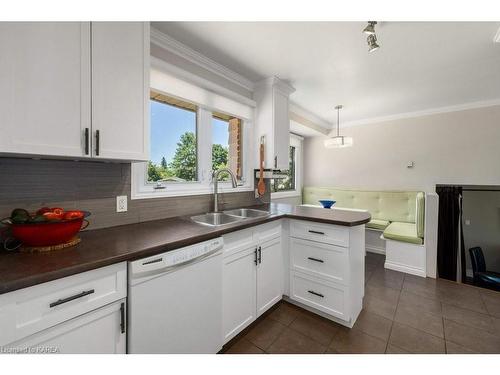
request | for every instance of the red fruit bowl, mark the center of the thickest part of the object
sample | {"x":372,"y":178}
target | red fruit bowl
{"x":47,"y":233}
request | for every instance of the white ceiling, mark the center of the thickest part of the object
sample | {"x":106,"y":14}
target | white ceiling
{"x":420,"y":65}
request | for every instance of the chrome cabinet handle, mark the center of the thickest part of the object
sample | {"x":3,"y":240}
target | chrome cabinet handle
{"x":72,"y":298}
{"x":316,"y":259}
{"x":316,"y":294}
{"x":260,"y":254}
{"x":256,"y":260}
{"x":316,"y":232}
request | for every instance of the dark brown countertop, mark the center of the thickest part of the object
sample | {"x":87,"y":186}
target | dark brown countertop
{"x":103,"y":247}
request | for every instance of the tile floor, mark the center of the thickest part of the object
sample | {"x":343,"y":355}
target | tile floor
{"x":401,"y":314}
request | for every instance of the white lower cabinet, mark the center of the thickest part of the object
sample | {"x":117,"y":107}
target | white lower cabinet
{"x":252,"y":275}
{"x":239,"y":280}
{"x":269,"y":275}
{"x":327,"y":269}
{"x":83,"y":313}
{"x":101,"y":331}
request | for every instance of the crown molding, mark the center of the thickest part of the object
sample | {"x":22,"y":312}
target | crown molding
{"x":170,"y":44}
{"x":274,"y":81}
{"x":425,"y":112}
{"x":199,"y":81}
{"x":309,"y":117}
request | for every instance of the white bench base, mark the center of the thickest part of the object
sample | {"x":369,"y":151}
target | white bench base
{"x":405,"y":257}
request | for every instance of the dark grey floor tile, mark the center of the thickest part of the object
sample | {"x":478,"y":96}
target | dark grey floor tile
{"x":387,"y":278}
{"x":374,"y":325}
{"x":468,"y":317}
{"x":496,"y":323}
{"x":265,"y":332}
{"x":412,"y":300}
{"x":471,"y":338}
{"x":285,"y":313}
{"x":491,"y":300}
{"x":415,"y":341}
{"x":392,"y":349}
{"x":388,"y":295}
{"x":353,"y":341}
{"x":293,"y":342}
{"x":422,"y":286}
{"x":315,"y":327}
{"x":419,"y":319}
{"x":379,"y":307}
{"x":244,"y":346}
{"x":464,"y":297}
{"x":452,"y":348}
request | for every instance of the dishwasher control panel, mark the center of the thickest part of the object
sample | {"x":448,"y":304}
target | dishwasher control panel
{"x":155,"y":263}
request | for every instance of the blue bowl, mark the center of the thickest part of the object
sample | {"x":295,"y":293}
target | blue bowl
{"x":326,"y":203}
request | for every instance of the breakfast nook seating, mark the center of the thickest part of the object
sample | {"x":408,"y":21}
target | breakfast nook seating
{"x":397,"y":227}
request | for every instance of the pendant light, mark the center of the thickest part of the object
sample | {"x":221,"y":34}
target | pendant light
{"x":338,"y":141}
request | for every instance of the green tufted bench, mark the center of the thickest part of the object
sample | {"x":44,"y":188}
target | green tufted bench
{"x":398,"y":214}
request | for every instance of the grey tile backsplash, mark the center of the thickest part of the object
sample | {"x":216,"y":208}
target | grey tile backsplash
{"x":93,"y":186}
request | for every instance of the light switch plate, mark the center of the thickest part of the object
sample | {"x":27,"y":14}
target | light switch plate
{"x":121,"y":203}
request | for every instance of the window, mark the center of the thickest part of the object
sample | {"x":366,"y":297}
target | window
{"x":291,"y":185}
{"x":173,"y":140}
{"x":188,"y":144}
{"x":227,"y":145}
{"x":288,"y":183}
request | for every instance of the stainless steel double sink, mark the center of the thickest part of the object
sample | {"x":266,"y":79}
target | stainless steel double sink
{"x":215,"y":219}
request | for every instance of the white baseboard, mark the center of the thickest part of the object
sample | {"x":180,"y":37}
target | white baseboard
{"x":405,"y":268}
{"x":376,"y":250}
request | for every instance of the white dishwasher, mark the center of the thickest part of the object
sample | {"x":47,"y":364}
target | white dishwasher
{"x":175,"y":301}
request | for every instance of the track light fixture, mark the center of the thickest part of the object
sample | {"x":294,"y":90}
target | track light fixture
{"x":372,"y":43}
{"x":372,"y":37}
{"x":370,"y":29}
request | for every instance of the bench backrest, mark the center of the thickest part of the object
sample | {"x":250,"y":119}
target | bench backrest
{"x":403,"y":206}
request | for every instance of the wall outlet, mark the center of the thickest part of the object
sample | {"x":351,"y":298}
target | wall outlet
{"x":121,"y":203}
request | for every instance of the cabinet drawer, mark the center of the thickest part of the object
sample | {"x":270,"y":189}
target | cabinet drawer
{"x":30,"y":310}
{"x":330,"y":298}
{"x":237,"y":241}
{"x":322,"y":260}
{"x":325,"y":233}
{"x":268,"y":231}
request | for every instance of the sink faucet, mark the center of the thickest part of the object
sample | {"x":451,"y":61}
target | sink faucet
{"x":216,"y":185}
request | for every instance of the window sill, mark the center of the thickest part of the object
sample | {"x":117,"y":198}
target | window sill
{"x":286,"y":194}
{"x":172,"y":192}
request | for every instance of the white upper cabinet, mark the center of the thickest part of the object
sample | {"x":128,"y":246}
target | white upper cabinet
{"x":75,"y":90}
{"x":45,"y":88}
{"x":273,"y":121}
{"x":120,"y":90}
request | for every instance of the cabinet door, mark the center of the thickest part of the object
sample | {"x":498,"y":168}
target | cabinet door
{"x":45,"y":88}
{"x":120,"y":90}
{"x":238,"y":292}
{"x":269,"y":275}
{"x":99,"y":332}
{"x":281,"y":130}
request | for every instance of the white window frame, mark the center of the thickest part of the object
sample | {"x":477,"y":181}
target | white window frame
{"x":167,"y":84}
{"x":295,"y":141}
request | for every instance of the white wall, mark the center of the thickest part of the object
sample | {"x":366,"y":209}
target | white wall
{"x":448,"y":148}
